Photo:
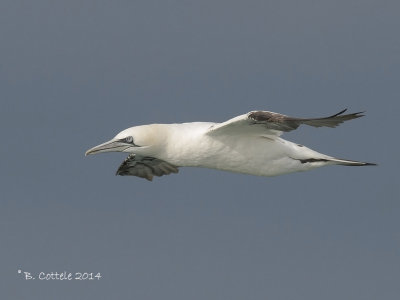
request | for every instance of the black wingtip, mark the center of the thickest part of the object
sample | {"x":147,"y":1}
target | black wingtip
{"x":341,"y":112}
{"x":354,"y":115}
{"x":359,"y":114}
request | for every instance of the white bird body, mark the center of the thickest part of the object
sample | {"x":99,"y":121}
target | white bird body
{"x":248,"y":144}
{"x":188,"y":145}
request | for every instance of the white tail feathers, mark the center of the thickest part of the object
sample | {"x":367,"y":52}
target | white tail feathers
{"x":346,"y":162}
{"x":336,"y":161}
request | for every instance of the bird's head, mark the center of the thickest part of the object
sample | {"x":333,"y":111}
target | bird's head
{"x":138,"y":140}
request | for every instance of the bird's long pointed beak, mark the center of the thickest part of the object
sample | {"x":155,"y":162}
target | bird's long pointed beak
{"x":110,"y":146}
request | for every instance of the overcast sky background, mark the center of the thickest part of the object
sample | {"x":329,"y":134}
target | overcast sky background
{"x":74,"y":73}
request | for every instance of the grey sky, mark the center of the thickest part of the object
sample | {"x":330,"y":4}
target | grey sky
{"x":74,"y":73}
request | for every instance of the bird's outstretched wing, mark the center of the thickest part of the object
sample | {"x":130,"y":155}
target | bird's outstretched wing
{"x":270,"y":123}
{"x":145,"y":167}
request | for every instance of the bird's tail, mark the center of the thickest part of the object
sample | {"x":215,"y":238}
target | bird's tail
{"x":312,"y":159}
{"x":328,"y":160}
{"x":346,"y":162}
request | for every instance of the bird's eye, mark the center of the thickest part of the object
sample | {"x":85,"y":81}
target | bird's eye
{"x":129,"y":139}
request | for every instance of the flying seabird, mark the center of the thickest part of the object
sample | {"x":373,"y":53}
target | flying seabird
{"x":249,"y":144}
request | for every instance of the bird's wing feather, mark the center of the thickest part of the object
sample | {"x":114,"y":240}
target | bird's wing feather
{"x":270,"y":123}
{"x":145,"y":167}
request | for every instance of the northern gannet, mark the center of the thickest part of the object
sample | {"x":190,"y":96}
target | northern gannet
{"x":249,"y":144}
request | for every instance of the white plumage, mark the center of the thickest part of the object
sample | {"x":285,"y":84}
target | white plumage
{"x":248,"y":144}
